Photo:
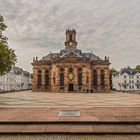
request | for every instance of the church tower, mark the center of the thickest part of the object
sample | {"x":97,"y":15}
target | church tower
{"x":70,"y":39}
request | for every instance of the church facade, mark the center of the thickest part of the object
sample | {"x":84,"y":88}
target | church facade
{"x":71,"y":70}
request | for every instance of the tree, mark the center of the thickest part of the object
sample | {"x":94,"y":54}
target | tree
{"x":7,"y":55}
{"x":137,"y":67}
{"x":112,"y":70}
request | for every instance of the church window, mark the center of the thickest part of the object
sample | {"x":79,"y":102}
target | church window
{"x":95,"y":77}
{"x":79,"y":76}
{"x":79,"y":79}
{"x":102,"y":78}
{"x":39,"y":77}
{"x":61,"y":77}
{"x":54,"y":77}
{"x":70,"y":70}
{"x":47,"y":79}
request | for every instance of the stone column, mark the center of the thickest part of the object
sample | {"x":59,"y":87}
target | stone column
{"x":57,"y":79}
{"x":35,"y":79}
{"x":53,"y":78}
{"x":90,"y":80}
{"x":99,"y":79}
{"x":43,"y":80}
{"x":107,"y":80}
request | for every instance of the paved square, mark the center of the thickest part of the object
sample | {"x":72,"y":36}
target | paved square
{"x":79,"y":100}
{"x":29,"y":112}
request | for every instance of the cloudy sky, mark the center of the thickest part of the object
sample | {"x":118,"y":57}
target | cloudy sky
{"x":105,"y":27}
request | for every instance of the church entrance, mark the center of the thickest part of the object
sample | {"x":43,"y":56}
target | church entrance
{"x":71,"y":88}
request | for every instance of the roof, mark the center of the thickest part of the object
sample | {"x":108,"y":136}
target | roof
{"x":129,"y":71}
{"x":65,"y":52}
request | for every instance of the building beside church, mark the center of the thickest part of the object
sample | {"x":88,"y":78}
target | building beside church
{"x":127,"y":79}
{"x":16,"y":80}
{"x":71,"y":70}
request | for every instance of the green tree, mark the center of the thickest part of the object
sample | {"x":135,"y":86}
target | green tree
{"x":112,"y":70}
{"x":7,"y":55}
{"x":137,"y":67}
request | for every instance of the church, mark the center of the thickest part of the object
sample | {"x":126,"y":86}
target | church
{"x":71,"y":70}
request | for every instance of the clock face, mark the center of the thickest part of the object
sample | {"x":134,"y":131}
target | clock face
{"x":70,"y":76}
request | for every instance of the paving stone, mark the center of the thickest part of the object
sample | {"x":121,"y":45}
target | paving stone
{"x":58,"y":128}
{"x":81,"y":128}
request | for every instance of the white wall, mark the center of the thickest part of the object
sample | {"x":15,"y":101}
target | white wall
{"x":126,"y":82}
{"x":14,"y":81}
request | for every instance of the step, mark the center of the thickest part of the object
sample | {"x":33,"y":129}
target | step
{"x":70,"y":128}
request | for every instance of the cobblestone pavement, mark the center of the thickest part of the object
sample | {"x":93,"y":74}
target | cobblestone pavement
{"x":72,"y":137}
{"x":83,"y":100}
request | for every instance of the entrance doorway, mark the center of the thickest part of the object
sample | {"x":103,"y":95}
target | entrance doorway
{"x":71,"y":88}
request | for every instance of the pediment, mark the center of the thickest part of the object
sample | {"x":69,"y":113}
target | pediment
{"x":71,"y":54}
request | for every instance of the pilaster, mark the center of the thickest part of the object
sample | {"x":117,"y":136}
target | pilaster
{"x":35,"y":79}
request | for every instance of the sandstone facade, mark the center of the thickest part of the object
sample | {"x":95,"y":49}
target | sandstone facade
{"x":71,"y":70}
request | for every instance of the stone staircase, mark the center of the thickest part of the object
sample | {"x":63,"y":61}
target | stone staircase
{"x":47,"y":121}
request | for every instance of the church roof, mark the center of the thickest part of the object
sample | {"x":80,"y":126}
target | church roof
{"x":65,"y":52}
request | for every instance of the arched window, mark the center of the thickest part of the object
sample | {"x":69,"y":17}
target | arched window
{"x":79,"y":76}
{"x":95,"y":77}
{"x":39,"y":77}
{"x":47,"y":78}
{"x":71,"y":70}
{"x":61,"y":77}
{"x":102,"y":78}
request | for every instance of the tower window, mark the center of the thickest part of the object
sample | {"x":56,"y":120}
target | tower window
{"x":70,"y":37}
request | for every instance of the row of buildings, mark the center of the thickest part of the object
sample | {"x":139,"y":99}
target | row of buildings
{"x":70,"y":70}
{"x":126,"y":79}
{"x":16,"y":80}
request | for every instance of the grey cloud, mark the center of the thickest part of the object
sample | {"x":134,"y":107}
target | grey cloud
{"x":105,"y":27}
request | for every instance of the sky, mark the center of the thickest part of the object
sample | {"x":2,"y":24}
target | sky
{"x":105,"y":27}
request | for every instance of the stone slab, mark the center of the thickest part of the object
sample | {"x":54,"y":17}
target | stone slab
{"x":69,"y":113}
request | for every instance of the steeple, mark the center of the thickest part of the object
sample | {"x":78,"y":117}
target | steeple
{"x":71,"y":38}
